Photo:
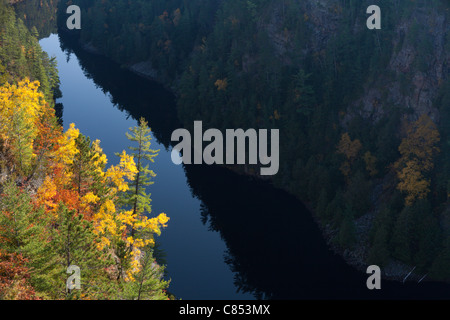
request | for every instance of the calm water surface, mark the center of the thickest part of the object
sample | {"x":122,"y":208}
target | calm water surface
{"x":229,"y":237}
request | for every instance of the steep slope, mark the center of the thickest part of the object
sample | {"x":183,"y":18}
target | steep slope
{"x":356,"y":108}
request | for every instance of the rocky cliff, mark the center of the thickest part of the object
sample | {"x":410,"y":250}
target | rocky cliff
{"x":314,"y":70}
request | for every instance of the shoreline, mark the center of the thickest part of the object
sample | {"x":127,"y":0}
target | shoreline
{"x":394,"y":271}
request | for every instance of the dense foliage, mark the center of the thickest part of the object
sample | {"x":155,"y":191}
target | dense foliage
{"x":301,"y":66}
{"x":60,"y":204}
{"x":40,"y":14}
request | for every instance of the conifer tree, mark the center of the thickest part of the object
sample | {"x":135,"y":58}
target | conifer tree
{"x":440,"y":269}
{"x":347,"y":232}
{"x":148,"y":284}
{"x":75,"y":243}
{"x":24,"y":230}
{"x":15,"y":209}
{"x":401,"y":238}
{"x":87,"y":177}
{"x":137,"y":197}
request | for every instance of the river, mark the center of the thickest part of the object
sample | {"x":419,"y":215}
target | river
{"x":230,"y":237}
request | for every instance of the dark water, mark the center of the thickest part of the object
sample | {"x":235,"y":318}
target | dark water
{"x":229,"y":237}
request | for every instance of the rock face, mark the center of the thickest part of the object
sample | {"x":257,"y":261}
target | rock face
{"x":419,"y":63}
{"x":145,"y":69}
{"x":414,"y":74}
{"x":417,"y":66}
{"x":89,"y":47}
{"x":412,"y":52}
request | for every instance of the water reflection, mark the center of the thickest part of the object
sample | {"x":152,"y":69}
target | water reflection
{"x":274,"y":248}
{"x":129,"y":92}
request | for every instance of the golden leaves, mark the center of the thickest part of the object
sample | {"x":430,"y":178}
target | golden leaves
{"x":412,"y":182}
{"x":21,"y":106}
{"x":125,"y":170}
{"x":221,"y":84}
{"x":67,"y":146}
{"x":417,"y":151}
{"x":27,"y":129}
{"x":350,"y":150}
{"x":370,"y":161}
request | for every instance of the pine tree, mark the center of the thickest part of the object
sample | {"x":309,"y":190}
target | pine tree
{"x":75,"y":243}
{"x":43,"y":260}
{"x":15,"y":210}
{"x":24,"y":230}
{"x":440,"y":269}
{"x":347,"y":231}
{"x":148,"y":283}
{"x":380,"y":250}
{"x":401,"y":236}
{"x":358,"y":194}
{"x":87,"y":168}
{"x":429,"y":240}
{"x":137,"y":197}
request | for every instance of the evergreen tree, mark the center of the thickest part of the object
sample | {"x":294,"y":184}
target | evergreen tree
{"x":87,"y":175}
{"x":24,"y":230}
{"x":402,"y":236}
{"x":137,"y":197}
{"x":429,"y":241}
{"x":75,"y":243}
{"x":358,"y":194}
{"x":148,"y":283}
{"x":347,"y":231}
{"x":379,"y":252}
{"x":440,"y":269}
{"x":15,"y":214}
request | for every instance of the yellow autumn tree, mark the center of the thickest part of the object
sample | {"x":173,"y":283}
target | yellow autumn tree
{"x":74,"y":175}
{"x":371,"y":163}
{"x":21,"y":106}
{"x":101,"y":205}
{"x":56,"y":187}
{"x":417,"y":151}
{"x":350,"y":149}
{"x":141,"y":228}
{"x":221,"y":84}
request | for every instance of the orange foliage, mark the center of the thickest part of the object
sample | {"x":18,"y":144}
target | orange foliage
{"x":14,"y":277}
{"x":417,"y":151}
{"x":350,"y":149}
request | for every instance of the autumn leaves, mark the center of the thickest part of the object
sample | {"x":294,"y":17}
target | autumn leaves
{"x":417,"y":151}
{"x":20,"y":109}
{"x":67,"y":173}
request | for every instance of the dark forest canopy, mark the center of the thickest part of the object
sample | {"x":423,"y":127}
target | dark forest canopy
{"x":57,"y":194}
{"x":21,"y":56}
{"x":40,"y":14}
{"x":356,"y":108}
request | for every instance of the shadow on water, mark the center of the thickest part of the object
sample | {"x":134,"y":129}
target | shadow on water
{"x":274,"y":247}
{"x":135,"y":95}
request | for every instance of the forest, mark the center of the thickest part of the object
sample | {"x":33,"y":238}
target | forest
{"x":61,"y":204}
{"x":362,"y":114}
{"x":363,"y":117}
